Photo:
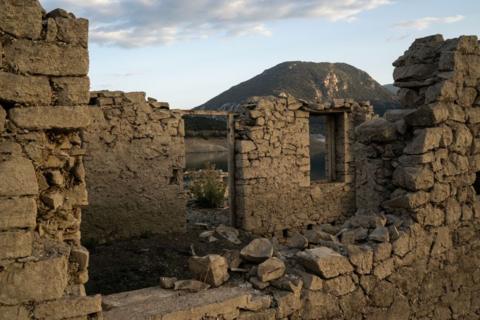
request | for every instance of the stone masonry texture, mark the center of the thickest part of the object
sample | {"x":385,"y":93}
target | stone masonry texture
{"x":134,"y":168}
{"x":44,"y":82}
{"x":395,"y":236}
{"x":272,"y":162}
{"x":410,"y":250}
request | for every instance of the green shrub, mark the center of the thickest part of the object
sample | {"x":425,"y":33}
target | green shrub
{"x":208,"y":188}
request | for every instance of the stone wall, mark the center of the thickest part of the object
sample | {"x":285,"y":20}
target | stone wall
{"x":135,"y":162}
{"x":273,"y":191}
{"x":424,"y":164}
{"x":410,"y":252}
{"x":43,"y":81}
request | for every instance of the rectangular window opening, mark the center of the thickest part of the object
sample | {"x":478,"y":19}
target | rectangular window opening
{"x":322,"y":148}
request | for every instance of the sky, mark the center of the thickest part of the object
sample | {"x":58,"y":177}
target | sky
{"x":185,"y":52}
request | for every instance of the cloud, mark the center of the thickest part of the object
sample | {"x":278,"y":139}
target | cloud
{"x":138,"y":23}
{"x":426,"y":22}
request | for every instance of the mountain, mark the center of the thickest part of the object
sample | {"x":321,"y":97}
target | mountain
{"x":309,"y":81}
{"x":391,"y":88}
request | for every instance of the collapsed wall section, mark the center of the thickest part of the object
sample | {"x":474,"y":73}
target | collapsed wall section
{"x":273,"y":191}
{"x":424,"y":163}
{"x":43,"y":81}
{"x":135,"y":163}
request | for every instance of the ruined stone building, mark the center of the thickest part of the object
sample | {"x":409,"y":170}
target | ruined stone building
{"x":393,"y":233}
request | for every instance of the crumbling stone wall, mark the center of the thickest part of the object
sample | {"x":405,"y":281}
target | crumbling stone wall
{"x":273,"y":191}
{"x":424,"y":160}
{"x":411,"y":251}
{"x":135,"y":161}
{"x":43,"y":81}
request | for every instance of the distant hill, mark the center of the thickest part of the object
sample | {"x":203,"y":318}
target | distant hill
{"x":315,"y":82}
{"x":391,"y":88}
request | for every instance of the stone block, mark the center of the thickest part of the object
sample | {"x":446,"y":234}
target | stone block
{"x":380,"y":234}
{"x":68,"y":308}
{"x":245,"y":146}
{"x":443,"y":241}
{"x":436,"y":217}
{"x":136,"y":97}
{"x":311,"y":281}
{"x":212,"y":269}
{"x":53,"y":199}
{"x":340,"y":286}
{"x":428,"y":115}
{"x":258,"y":250}
{"x":268,"y":314}
{"x":440,"y":192}
{"x":376,"y":130}
{"x":18,"y":178}
{"x":473,"y":115}
{"x":414,"y":72}
{"x":410,"y":98}
{"x":30,"y":90}
{"x":72,"y":31}
{"x":320,"y":305}
{"x":287,"y":303}
{"x":442,"y":91}
{"x":382,"y":251}
{"x":424,"y":141}
{"x":21,"y":18}
{"x":270,"y":269}
{"x":325,"y":262}
{"x":462,"y":139}
{"x":46,"y":58}
{"x":18,"y":213}
{"x":33,"y":281}
{"x":384,"y":269}
{"x":45,"y":118}
{"x":397,"y":114}
{"x":401,"y":246}
{"x":80,"y":256}
{"x":361,"y":258}
{"x":467,"y":96}
{"x":408,"y":200}
{"x":14,"y":313}
{"x":51,"y":30}
{"x":16,"y":244}
{"x":71,"y":90}
{"x":413,"y":178}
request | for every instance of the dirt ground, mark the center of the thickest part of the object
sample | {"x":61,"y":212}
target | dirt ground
{"x":139,"y":263}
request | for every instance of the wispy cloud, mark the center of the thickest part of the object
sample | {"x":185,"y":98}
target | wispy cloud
{"x":137,"y":23}
{"x":426,"y":22}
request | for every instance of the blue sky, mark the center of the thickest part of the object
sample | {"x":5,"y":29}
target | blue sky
{"x":187,"y":51}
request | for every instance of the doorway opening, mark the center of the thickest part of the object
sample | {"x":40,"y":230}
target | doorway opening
{"x":209,"y":168}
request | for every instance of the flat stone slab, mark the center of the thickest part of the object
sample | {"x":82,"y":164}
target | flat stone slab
{"x":160,"y":304}
{"x":45,"y":118}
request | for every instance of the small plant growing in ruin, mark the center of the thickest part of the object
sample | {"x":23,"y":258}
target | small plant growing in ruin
{"x":208,"y":188}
